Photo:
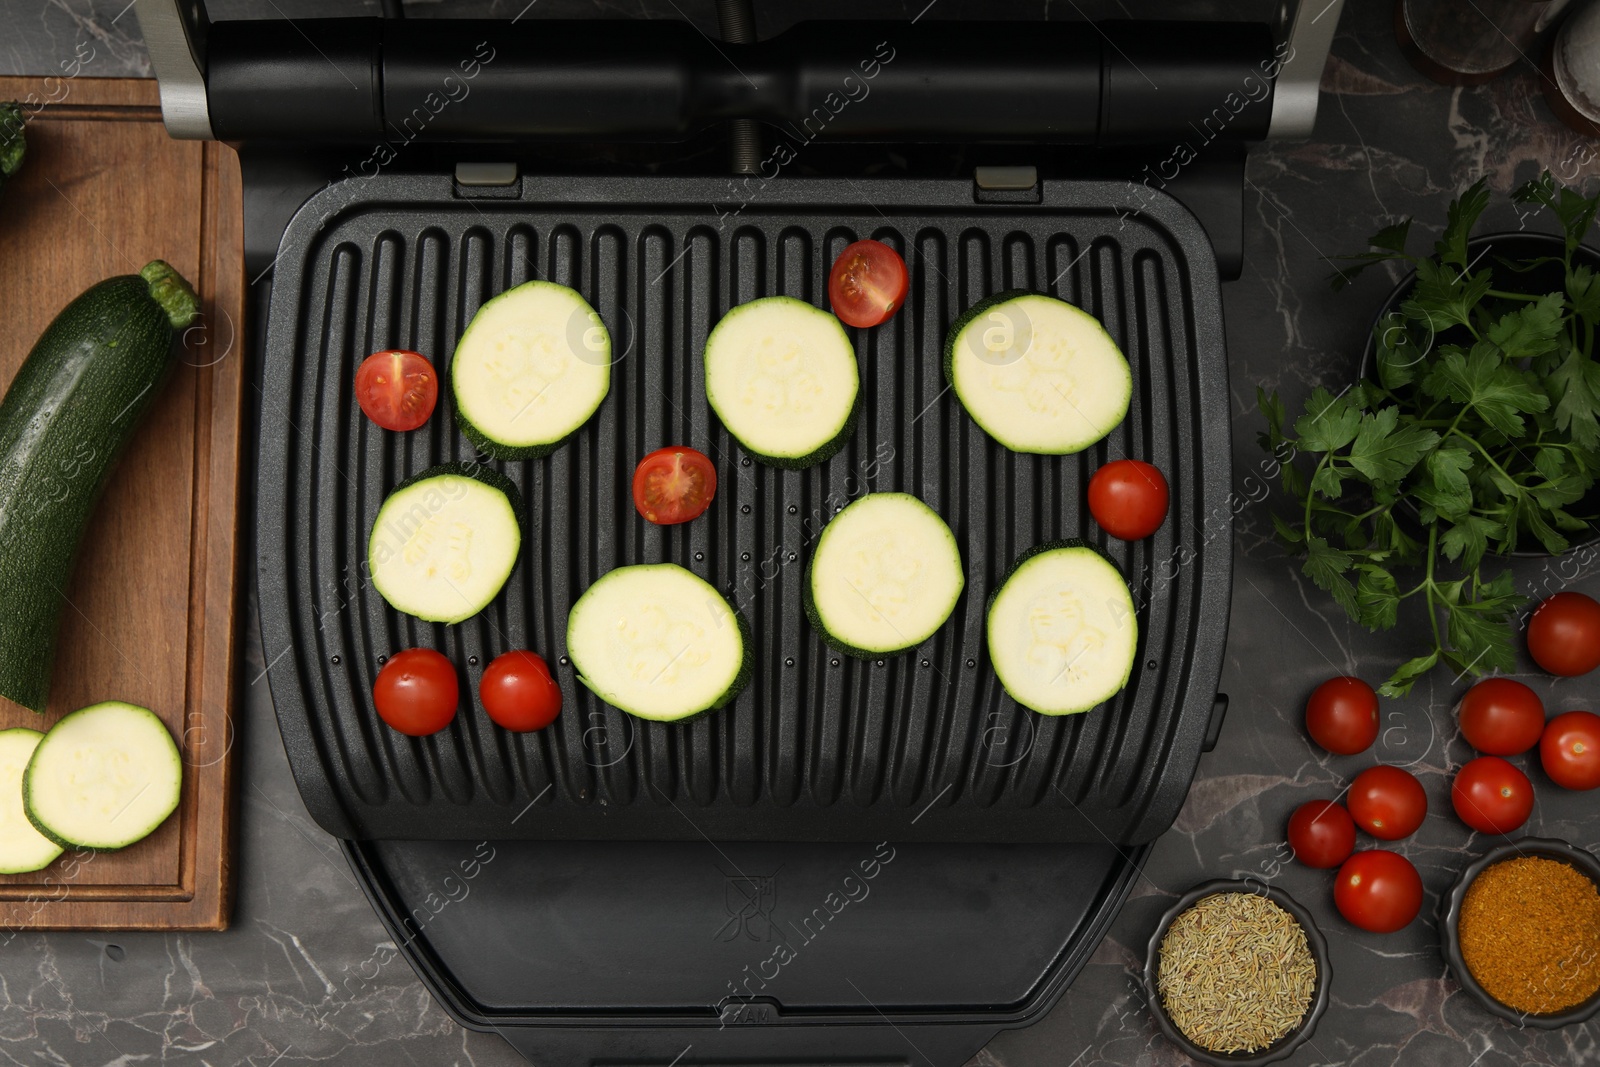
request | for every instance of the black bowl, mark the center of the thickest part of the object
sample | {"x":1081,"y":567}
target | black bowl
{"x":1488,"y":251}
{"x":1450,"y":926}
{"x":1319,"y":995}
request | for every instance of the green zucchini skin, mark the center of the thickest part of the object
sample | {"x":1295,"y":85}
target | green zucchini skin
{"x":13,"y":142}
{"x":490,"y":447}
{"x":69,"y":412}
{"x":478,"y":472}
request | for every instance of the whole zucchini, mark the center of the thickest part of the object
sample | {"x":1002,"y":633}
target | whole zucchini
{"x":71,"y":408}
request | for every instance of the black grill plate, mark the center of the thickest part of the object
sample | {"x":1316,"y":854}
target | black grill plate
{"x":924,"y":746}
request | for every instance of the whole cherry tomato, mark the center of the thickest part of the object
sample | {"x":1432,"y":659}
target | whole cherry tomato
{"x":1342,"y":715}
{"x":1321,"y":833}
{"x":416,"y":692}
{"x":1564,"y":634}
{"x":1570,"y":750}
{"x":1378,"y":891}
{"x":518,"y":692}
{"x":1492,"y":796}
{"x":1128,"y":498}
{"x":1501,"y":717}
{"x":1387,"y":802}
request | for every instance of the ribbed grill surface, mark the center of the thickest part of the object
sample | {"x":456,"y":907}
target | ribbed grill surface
{"x":820,"y":746}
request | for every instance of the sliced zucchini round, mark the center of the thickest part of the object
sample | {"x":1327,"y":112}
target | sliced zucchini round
{"x":658,"y":642}
{"x":1062,"y":629}
{"x":1038,"y":374}
{"x":531,"y":368}
{"x":886,"y":574}
{"x":104,"y":777}
{"x":445,"y":541}
{"x":22,"y":847}
{"x":782,"y":377}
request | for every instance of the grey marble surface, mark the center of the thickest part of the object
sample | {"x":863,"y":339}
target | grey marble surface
{"x":268,"y":991}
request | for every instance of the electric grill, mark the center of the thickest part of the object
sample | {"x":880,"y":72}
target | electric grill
{"x":857,"y":861}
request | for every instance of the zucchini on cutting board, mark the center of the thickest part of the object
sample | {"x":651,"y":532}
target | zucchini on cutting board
{"x":64,"y":420}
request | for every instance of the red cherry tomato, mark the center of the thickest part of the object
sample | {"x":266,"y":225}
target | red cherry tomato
{"x":1501,"y":717}
{"x":518,"y":692}
{"x":673,"y":485}
{"x":1128,"y":498}
{"x":1378,"y":891}
{"x":1342,"y":715}
{"x":1570,"y":750}
{"x":416,"y":692}
{"x":1321,"y":833}
{"x":1387,"y":802}
{"x":868,"y":283}
{"x":1564,"y":634}
{"x":1492,"y":796}
{"x":397,"y":389}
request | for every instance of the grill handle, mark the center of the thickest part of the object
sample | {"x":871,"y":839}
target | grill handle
{"x":384,"y":80}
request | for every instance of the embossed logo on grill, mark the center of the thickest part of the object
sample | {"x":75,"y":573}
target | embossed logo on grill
{"x":749,"y":900}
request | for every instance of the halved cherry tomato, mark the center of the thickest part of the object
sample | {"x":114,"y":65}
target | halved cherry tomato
{"x":673,"y":485}
{"x":1502,"y":717}
{"x":1378,"y":891}
{"x":1492,"y":796}
{"x":1321,"y":833}
{"x":1128,"y":498}
{"x":416,"y":692}
{"x":1570,"y":750}
{"x":1387,"y":802}
{"x":1564,"y":634}
{"x":518,"y":692}
{"x":397,"y":389}
{"x":868,"y":283}
{"x":1342,"y":715}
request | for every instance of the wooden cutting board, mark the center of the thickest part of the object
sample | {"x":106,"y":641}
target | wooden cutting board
{"x":151,"y":606}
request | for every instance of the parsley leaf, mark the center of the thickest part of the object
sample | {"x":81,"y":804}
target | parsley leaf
{"x":1576,"y":382}
{"x":1330,"y":422}
{"x":1384,"y":450}
{"x":1326,"y":566}
{"x":1482,"y":381}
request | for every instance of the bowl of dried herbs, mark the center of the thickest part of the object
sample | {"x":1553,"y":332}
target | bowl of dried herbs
{"x":1237,"y":973}
{"x":1520,"y":931}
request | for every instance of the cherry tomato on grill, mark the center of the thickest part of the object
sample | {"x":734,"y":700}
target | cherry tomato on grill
{"x":1564,"y":634}
{"x":1492,"y":796}
{"x":1387,"y":802}
{"x":1128,"y":498}
{"x":1378,"y":891}
{"x":1570,"y":750}
{"x":518,"y":692}
{"x":416,"y":692}
{"x":1321,"y":833}
{"x":397,"y":389}
{"x":868,"y":283}
{"x":673,"y":485}
{"x":1342,"y":715}
{"x":1501,"y":717}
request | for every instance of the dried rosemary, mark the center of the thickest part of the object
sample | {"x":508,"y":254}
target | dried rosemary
{"x":1236,"y":972}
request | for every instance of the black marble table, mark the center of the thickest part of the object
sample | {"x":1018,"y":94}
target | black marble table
{"x":270,"y":990}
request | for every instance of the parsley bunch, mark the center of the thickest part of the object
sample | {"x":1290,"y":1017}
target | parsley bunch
{"x":1475,"y":431}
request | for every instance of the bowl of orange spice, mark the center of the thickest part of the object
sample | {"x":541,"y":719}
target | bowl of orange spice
{"x":1521,"y":932}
